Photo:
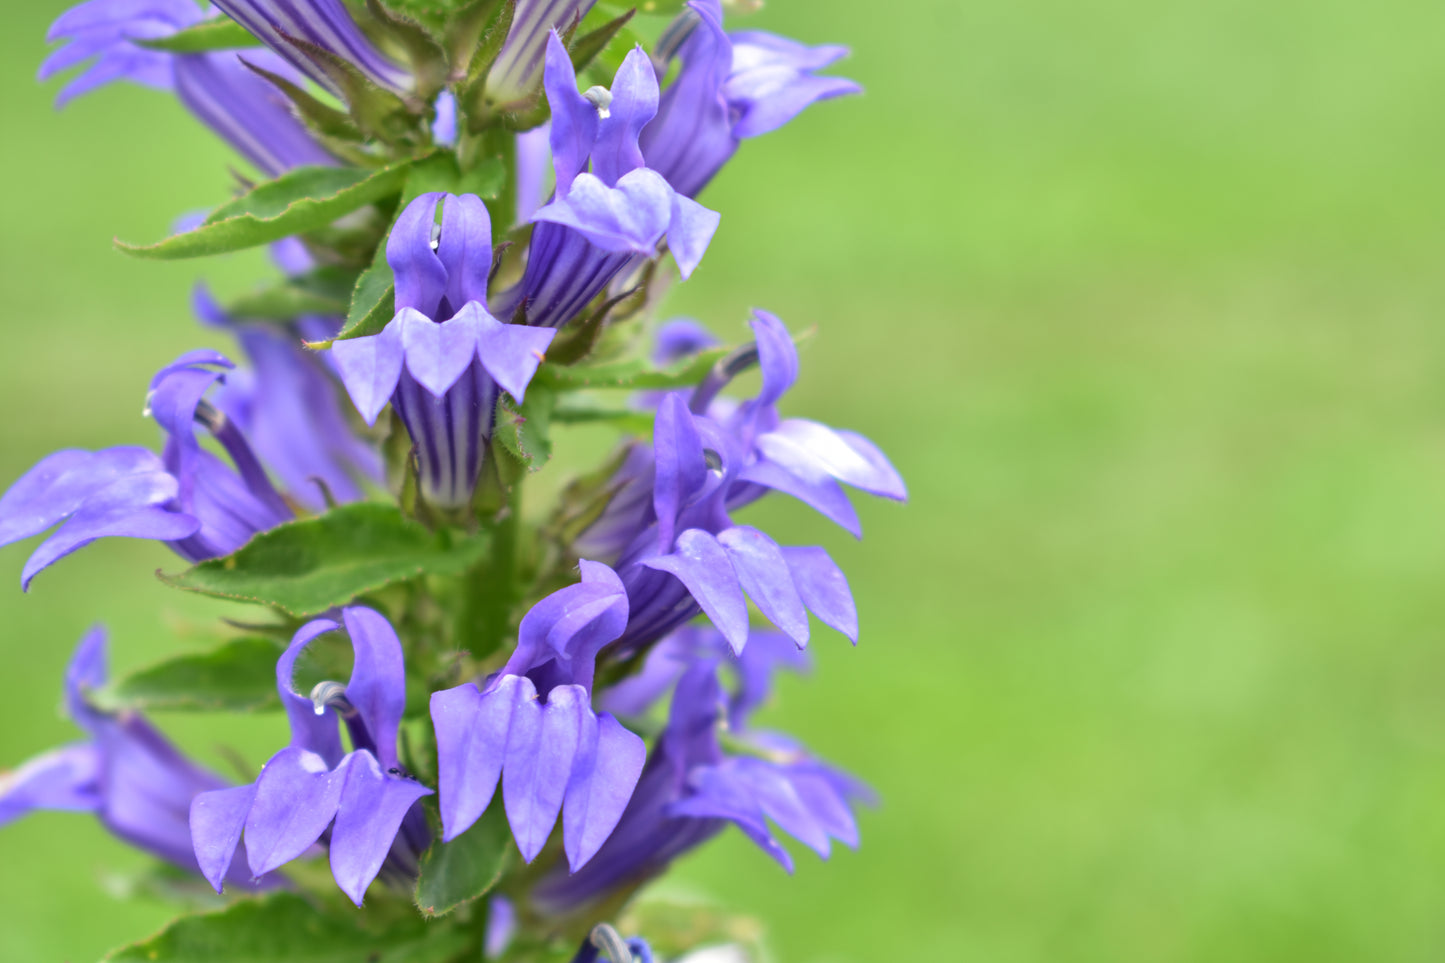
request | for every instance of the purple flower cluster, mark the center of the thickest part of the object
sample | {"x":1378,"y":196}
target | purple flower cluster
{"x":557,"y":722}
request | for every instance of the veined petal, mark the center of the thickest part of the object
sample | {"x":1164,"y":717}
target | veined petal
{"x":370,"y":368}
{"x":436,"y":354}
{"x":608,"y":764}
{"x":296,"y":799}
{"x":703,"y":566}
{"x":540,"y":751}
{"x":368,"y":817}
{"x":763,"y":572}
{"x":514,"y":74}
{"x":824,"y":589}
{"x":217,"y":819}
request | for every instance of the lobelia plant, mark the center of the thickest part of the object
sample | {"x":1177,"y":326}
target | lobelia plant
{"x":474,"y":206}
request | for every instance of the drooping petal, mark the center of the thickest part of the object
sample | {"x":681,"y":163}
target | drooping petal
{"x":633,"y":105}
{"x":809,"y":485}
{"x":296,"y":799}
{"x":628,"y":218}
{"x":799,"y":444}
{"x":608,"y":764}
{"x":436,"y":354}
{"x":540,"y":751}
{"x":368,"y":817}
{"x":690,"y":232}
{"x":763,"y":573}
{"x":824,"y":588}
{"x":703,"y":566}
{"x":825,"y":804}
{"x":217,"y":819}
{"x":886,"y":480}
{"x":472,"y":732}
{"x":719,"y":794}
{"x":370,"y":368}
{"x":127,"y":508}
{"x":61,"y":482}
{"x":780,"y":802}
{"x":511,"y":353}
{"x":377,"y":687}
{"x":771,"y":80}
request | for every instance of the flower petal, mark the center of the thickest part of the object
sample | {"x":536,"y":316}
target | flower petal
{"x":634,"y":103}
{"x":511,"y":353}
{"x":370,"y":367}
{"x":824,"y":589}
{"x":421,"y":278}
{"x":540,"y":751}
{"x":472,"y":731}
{"x":608,"y":764}
{"x":465,"y":248}
{"x":574,"y":119}
{"x":628,"y":218}
{"x":368,"y":816}
{"x":217,"y":818}
{"x":763,"y":573}
{"x":296,"y":799}
{"x":377,"y":687}
{"x":436,"y":354}
{"x":703,"y":566}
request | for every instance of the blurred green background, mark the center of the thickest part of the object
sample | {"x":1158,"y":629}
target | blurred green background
{"x":1144,"y":299}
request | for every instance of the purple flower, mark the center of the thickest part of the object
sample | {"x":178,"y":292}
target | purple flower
{"x":441,"y":359}
{"x":244,"y":110}
{"x":730,"y":88}
{"x":684,"y":554}
{"x":187,"y":497}
{"x":692,"y":786}
{"x":533,"y":727}
{"x":361,"y":804}
{"x":127,"y":773}
{"x":513,"y":77}
{"x":287,"y":406}
{"x":601,"y":220}
{"x":305,"y":32}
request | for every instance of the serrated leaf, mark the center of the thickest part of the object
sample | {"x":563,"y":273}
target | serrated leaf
{"x":305,"y":199}
{"x":285,"y":928}
{"x":218,"y":33}
{"x":632,"y":374}
{"x":239,"y":676}
{"x":525,"y":432}
{"x":466,"y":868}
{"x":308,"y":566}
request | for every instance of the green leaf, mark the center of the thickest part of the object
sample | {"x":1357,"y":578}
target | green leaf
{"x":308,"y":566}
{"x":467,"y":867}
{"x":305,"y":199}
{"x":218,"y":33}
{"x":630,"y":375}
{"x":587,"y":47}
{"x":239,"y":676}
{"x":627,"y":419}
{"x":525,"y":432}
{"x":285,"y":928}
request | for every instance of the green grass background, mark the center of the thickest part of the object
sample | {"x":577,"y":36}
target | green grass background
{"x":1144,"y":299}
